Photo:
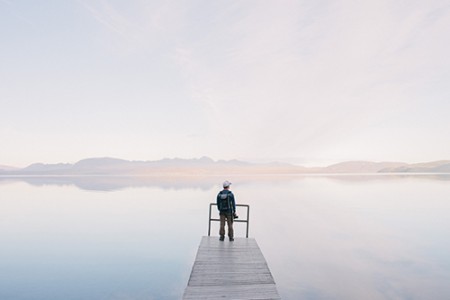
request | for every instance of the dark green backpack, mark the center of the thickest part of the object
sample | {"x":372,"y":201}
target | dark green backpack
{"x":224,"y":201}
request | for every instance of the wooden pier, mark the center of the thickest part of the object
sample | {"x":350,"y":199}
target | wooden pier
{"x":230,"y":270}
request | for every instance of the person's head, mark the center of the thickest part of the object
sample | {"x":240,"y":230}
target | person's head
{"x":226,"y":184}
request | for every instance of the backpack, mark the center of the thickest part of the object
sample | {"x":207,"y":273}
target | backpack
{"x":224,"y":202}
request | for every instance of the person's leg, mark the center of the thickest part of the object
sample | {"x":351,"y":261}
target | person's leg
{"x":230,"y":226}
{"x":222,"y":227}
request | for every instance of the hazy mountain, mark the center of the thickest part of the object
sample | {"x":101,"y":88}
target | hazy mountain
{"x":441,"y":166}
{"x":361,"y":167}
{"x":445,"y":168}
{"x":176,"y":166}
{"x":7,"y":168}
{"x":40,"y":167}
{"x":205,"y":166}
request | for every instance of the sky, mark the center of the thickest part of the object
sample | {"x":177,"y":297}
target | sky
{"x":305,"y":82}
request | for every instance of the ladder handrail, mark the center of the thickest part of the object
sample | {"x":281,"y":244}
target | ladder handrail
{"x":243,"y":221}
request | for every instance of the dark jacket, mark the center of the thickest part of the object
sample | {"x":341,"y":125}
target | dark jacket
{"x":227,"y":205}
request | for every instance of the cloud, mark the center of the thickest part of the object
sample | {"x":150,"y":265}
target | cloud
{"x":104,"y":18}
{"x":14,"y":12}
{"x":140,"y":26}
{"x":300,"y":77}
{"x":257,"y":79}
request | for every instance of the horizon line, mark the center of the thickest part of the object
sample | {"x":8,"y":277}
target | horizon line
{"x":252,"y":161}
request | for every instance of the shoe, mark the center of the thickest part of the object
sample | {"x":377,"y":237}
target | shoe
{"x":231,"y":239}
{"x":221,"y":238}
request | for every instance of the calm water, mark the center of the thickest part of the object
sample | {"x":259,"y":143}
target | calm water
{"x":341,"y":237}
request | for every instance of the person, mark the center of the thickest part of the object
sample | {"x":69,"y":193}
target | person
{"x":227,"y":210}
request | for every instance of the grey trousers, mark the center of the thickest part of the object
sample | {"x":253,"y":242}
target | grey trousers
{"x":229,"y":218}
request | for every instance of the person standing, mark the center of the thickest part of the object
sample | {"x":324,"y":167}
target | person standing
{"x":227,"y":209}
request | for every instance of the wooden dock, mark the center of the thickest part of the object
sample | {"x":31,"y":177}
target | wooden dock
{"x":230,"y":270}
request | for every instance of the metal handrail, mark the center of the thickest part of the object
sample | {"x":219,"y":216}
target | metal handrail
{"x":243,"y":221}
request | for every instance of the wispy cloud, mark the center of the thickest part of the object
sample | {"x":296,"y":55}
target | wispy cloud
{"x":102,"y":18}
{"x":252,"y":79}
{"x":295,"y":80}
{"x":142,"y":26}
{"x":14,"y":12}
{"x":111,"y":18}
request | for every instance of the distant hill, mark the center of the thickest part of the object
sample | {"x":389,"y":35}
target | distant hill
{"x":361,"y":167}
{"x":7,"y":168}
{"x":441,"y":166}
{"x":206,"y":166}
{"x":176,"y":166}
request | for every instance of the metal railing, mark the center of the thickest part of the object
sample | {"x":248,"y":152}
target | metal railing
{"x":235,"y":220}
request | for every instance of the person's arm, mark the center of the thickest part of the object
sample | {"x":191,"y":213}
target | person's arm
{"x":234,"y":203}
{"x":217,"y":202}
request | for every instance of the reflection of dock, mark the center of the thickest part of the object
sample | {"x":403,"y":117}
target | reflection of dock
{"x":230,"y":270}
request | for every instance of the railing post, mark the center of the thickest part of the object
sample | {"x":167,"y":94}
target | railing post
{"x":209,"y":224}
{"x":248,"y":220}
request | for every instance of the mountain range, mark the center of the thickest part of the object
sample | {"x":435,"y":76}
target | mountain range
{"x":207,"y":166}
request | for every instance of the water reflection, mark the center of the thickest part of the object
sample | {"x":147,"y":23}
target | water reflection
{"x":115,"y":183}
{"x":324,"y":237}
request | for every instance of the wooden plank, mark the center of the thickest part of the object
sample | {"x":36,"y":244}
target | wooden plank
{"x":230,"y":270}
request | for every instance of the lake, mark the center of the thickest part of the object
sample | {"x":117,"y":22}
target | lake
{"x":324,"y":237}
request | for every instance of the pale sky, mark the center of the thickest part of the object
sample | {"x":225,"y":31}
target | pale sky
{"x":306,"y":82}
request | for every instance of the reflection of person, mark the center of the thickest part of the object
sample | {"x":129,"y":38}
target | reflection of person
{"x":227,"y":208}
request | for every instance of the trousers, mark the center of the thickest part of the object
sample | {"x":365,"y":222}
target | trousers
{"x":229,"y":218}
